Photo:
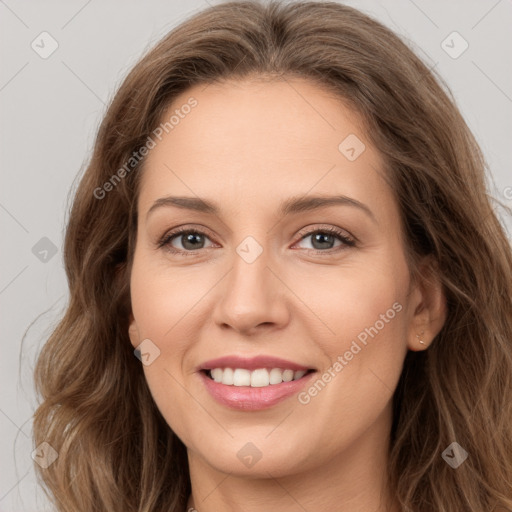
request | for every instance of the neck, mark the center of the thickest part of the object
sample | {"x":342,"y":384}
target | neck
{"x":353,"y":480}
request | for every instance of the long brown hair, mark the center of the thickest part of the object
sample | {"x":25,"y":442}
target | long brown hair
{"x":115,"y":450}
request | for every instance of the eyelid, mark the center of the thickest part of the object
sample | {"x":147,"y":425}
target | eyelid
{"x":327,"y":228}
{"x":347,"y":239}
{"x":186,"y":228}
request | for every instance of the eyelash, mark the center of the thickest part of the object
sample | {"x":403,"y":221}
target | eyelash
{"x":168,"y":237}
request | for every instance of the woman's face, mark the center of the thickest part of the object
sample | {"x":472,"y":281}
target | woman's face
{"x":293,"y":251}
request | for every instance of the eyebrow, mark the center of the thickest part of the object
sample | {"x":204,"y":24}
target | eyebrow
{"x":293,"y":205}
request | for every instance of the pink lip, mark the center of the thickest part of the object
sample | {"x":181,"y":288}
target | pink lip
{"x":247,"y":398}
{"x":252,"y":363}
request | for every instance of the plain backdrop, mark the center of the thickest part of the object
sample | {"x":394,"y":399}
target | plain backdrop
{"x":50,"y":109}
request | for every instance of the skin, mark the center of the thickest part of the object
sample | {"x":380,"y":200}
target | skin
{"x":248,"y":146}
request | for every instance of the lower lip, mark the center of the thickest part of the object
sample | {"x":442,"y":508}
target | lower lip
{"x":247,"y":398}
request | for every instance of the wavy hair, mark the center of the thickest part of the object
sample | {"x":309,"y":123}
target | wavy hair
{"x":115,"y":450}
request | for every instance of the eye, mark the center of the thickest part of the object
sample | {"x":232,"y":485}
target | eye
{"x":189,"y":239}
{"x":186,"y":241}
{"x":323,"y":240}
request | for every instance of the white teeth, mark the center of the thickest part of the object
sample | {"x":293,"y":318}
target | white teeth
{"x":287,"y":375}
{"x":259,"y":378}
{"x":241,"y":377}
{"x":276,"y":376}
{"x":227,"y":376}
{"x":217,"y":374}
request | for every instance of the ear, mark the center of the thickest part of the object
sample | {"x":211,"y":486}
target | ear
{"x":429,"y":306}
{"x":133,"y":331}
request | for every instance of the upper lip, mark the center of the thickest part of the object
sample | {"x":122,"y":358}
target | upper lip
{"x":251,"y":363}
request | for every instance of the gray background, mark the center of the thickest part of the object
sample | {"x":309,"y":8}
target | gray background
{"x":51,"y":108}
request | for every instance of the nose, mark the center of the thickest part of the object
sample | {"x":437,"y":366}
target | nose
{"x":252,"y":297}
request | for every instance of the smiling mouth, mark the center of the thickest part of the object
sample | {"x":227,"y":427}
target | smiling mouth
{"x":259,"y":378}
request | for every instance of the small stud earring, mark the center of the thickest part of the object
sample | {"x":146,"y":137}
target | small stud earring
{"x":419,"y":339}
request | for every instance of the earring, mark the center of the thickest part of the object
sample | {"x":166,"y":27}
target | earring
{"x":419,"y":339}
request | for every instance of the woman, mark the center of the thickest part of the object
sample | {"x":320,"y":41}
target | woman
{"x":370,"y":369}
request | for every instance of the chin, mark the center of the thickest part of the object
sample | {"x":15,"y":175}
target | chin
{"x":253,"y":454}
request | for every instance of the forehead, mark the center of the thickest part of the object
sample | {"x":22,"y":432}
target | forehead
{"x":250,"y":141}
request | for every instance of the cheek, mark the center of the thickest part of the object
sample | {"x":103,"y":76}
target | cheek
{"x":350,"y":300}
{"x":368,"y":336}
{"x":364,"y":308}
{"x":157,"y":306}
{"x":160,"y":299}
{"x":162,"y":303}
